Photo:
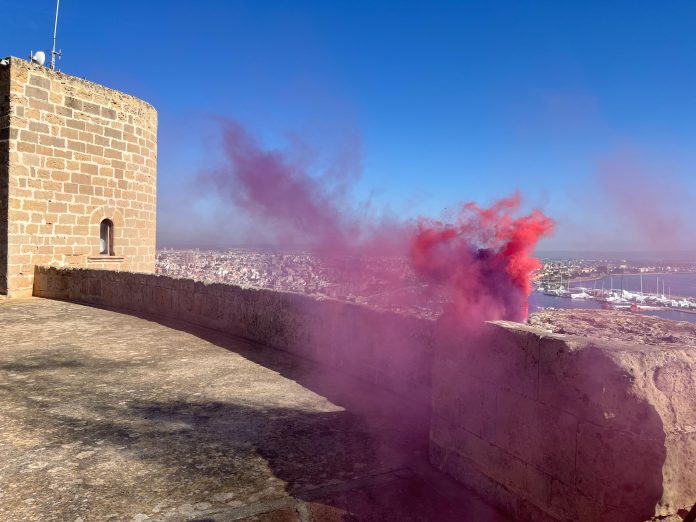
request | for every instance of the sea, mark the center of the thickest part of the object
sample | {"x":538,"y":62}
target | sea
{"x":676,"y":285}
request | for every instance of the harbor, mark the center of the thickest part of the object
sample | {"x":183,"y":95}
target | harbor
{"x":670,"y":296}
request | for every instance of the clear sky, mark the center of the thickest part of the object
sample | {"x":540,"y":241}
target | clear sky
{"x":589,"y":108}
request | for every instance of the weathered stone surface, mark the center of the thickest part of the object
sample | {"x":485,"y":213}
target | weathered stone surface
{"x":511,"y":362}
{"x":609,"y":325}
{"x":107,"y":416}
{"x":605,"y":455}
{"x":583,"y":428}
{"x":539,"y":435}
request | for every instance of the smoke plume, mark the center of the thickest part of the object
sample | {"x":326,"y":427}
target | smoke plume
{"x":484,"y":259}
{"x":646,"y":201}
{"x":482,"y":262}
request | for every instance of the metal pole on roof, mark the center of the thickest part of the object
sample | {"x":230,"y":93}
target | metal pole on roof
{"x":55,"y":30}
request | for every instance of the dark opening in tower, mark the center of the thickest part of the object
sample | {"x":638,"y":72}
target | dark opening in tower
{"x":106,"y":238}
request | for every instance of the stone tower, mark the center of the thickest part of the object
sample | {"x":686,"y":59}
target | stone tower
{"x":78,"y":170}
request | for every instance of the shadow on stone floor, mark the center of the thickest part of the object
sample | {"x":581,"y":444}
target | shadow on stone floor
{"x":347,"y":464}
{"x":406,"y":419}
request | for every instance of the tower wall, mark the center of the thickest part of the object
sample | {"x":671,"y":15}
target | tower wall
{"x":75,"y":153}
{"x":4,"y":171}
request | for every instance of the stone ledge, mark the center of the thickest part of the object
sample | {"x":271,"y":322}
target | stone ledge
{"x":105,"y":259}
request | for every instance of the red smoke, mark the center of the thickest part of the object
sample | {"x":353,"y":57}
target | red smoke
{"x":482,"y":261}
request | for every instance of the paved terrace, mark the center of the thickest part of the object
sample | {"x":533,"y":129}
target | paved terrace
{"x":107,"y":416}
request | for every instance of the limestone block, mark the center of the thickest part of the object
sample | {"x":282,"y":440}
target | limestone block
{"x":679,"y":481}
{"x":608,"y":467}
{"x":577,"y":376}
{"x":507,"y":357}
{"x":184,"y":289}
{"x":470,"y":403}
{"x":540,"y":435}
{"x":676,"y":382}
{"x":605,"y":433}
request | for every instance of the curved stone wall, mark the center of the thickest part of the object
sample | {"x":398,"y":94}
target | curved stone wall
{"x":392,"y":350}
{"x":547,"y":427}
{"x":553,"y":427}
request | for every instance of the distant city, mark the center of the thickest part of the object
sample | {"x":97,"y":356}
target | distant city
{"x":365,"y":280}
{"x":371,"y":281}
{"x":557,"y":270}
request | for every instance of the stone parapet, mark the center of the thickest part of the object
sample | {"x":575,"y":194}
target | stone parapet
{"x":552,"y":427}
{"x":385,"y":348}
{"x":548,"y":427}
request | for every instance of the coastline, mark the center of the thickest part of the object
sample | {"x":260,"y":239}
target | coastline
{"x":586,"y":282}
{"x":591,"y":280}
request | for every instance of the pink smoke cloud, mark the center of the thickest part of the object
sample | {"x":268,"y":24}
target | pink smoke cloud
{"x":643,"y":199}
{"x":482,"y":262}
{"x":485,"y":258}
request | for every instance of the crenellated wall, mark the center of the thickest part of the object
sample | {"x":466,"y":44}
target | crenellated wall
{"x":548,"y":427}
{"x":392,"y":350}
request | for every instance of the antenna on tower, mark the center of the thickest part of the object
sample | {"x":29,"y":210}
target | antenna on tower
{"x":39,"y":57}
{"x":55,"y":53}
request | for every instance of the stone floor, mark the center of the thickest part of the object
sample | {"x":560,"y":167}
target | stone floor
{"x":107,"y":416}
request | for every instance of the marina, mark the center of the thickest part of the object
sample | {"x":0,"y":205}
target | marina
{"x":670,"y":296}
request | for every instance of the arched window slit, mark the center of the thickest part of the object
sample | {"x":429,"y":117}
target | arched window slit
{"x":106,"y":238}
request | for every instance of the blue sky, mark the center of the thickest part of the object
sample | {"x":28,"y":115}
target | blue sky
{"x":451,"y":101}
